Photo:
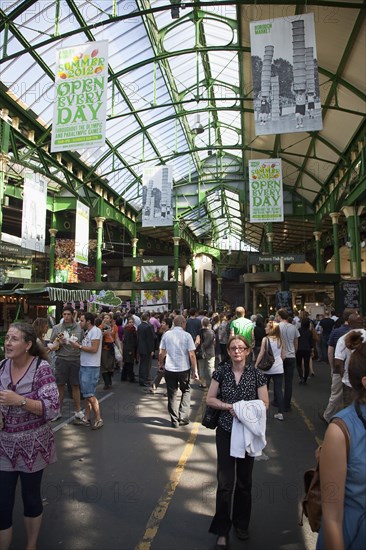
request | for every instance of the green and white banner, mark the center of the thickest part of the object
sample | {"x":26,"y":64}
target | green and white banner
{"x":80,"y":106}
{"x":82,"y":233}
{"x":265,"y":191}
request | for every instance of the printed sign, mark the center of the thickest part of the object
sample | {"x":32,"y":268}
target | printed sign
{"x":80,"y":105}
{"x":157,"y":196}
{"x":82,"y":233}
{"x":265,"y":190}
{"x":34,"y":212}
{"x":154,"y":299}
{"x":285,"y":75}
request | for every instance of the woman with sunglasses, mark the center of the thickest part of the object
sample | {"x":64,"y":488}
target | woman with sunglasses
{"x":233,"y":381}
{"x":28,"y":400}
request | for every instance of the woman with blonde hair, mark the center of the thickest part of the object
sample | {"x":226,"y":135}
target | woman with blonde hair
{"x":276,"y":371}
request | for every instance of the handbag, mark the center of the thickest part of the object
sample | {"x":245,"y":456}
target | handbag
{"x":200,"y":354}
{"x":210,"y":418}
{"x":311,"y":503}
{"x":268,"y":358}
{"x":117,"y":354}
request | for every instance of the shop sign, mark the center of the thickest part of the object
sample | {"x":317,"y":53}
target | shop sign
{"x":258,"y":259}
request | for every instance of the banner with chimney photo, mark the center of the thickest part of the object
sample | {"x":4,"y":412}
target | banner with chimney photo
{"x":157,"y":208}
{"x":285,"y":75}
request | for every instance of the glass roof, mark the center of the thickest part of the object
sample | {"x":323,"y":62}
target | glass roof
{"x":172,"y":66}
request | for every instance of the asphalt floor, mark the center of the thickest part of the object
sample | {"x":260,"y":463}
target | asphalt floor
{"x":137,"y":483}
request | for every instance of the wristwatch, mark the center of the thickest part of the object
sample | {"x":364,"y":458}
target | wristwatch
{"x":23,"y":403}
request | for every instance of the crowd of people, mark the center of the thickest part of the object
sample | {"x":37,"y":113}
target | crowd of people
{"x":222,"y":353}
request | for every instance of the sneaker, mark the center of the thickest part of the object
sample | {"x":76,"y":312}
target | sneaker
{"x":56,"y":417}
{"x":97,"y":424}
{"x":278,"y":416}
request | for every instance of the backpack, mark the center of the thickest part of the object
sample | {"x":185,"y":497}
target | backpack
{"x":311,"y":503}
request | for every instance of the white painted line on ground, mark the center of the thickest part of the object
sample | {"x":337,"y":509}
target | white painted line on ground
{"x":69,"y":420}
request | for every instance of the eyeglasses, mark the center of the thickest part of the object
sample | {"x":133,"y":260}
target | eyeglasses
{"x":240,"y":349}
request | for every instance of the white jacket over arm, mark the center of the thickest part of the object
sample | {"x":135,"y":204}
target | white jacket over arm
{"x":248,"y":434}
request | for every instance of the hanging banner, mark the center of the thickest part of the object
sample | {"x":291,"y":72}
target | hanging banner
{"x":285,"y":75}
{"x":82,"y":233}
{"x":34,"y":211}
{"x":80,"y":106}
{"x":265,"y":191}
{"x":154,"y":299}
{"x":157,"y":196}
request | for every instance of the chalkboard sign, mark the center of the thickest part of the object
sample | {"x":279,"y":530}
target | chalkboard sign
{"x":284,"y":300}
{"x":349,"y":295}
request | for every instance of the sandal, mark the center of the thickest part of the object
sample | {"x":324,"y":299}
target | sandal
{"x":97,"y":424}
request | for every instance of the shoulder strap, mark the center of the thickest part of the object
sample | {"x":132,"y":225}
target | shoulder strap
{"x":359,"y":413}
{"x":342,"y":425}
{"x":222,"y":374}
{"x":2,"y":364}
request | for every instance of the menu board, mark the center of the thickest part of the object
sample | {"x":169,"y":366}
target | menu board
{"x":349,"y":295}
{"x":284,"y":300}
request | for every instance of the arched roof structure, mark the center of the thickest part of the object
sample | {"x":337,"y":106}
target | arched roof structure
{"x":168,"y":62}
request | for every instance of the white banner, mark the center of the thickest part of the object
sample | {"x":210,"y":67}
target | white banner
{"x":157,"y":196}
{"x":34,"y":211}
{"x":82,"y":233}
{"x":285,"y":75}
{"x":80,"y":106}
{"x":265,"y":191}
{"x":154,"y":299}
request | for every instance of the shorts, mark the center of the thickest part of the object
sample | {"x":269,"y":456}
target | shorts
{"x":89,"y":378}
{"x":300,"y":109}
{"x":311,"y":105}
{"x":67,"y":371}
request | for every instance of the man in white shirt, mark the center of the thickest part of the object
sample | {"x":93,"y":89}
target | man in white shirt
{"x":90,"y":357}
{"x":177,"y":349}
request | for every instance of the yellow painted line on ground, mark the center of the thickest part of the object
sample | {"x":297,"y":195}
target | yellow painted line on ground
{"x":163,"y":503}
{"x":307,"y":421}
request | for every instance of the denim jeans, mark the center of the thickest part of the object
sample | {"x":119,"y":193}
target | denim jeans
{"x":277,"y":390}
{"x":173,"y":381}
{"x":234,"y":489}
{"x":289,"y":365}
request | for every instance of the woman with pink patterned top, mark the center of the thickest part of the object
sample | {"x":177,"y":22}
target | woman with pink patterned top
{"x":28,"y":400}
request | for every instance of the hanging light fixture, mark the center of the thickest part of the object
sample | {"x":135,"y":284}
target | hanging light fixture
{"x":197,"y":126}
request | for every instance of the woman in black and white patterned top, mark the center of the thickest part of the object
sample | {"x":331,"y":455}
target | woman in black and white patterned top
{"x":235,"y":381}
